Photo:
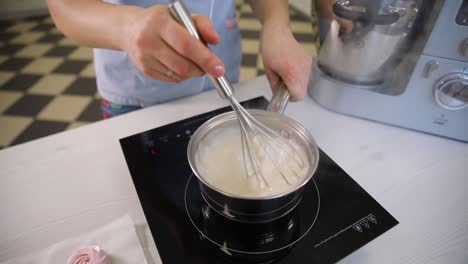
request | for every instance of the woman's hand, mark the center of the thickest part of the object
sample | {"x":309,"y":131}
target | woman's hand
{"x":285,"y":59}
{"x":164,"y":50}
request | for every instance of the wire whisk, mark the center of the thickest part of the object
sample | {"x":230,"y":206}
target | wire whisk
{"x":263,"y":149}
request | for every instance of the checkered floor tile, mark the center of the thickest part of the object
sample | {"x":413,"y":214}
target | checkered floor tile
{"x":47,"y":81}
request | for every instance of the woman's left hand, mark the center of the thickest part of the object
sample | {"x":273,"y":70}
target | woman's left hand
{"x":285,"y":59}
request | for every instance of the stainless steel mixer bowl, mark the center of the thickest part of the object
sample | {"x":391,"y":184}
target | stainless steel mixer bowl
{"x":374,"y":47}
{"x":253,"y":209}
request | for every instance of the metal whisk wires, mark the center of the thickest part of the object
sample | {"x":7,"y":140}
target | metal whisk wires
{"x":261,"y":146}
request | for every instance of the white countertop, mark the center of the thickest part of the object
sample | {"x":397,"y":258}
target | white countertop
{"x":70,"y":183}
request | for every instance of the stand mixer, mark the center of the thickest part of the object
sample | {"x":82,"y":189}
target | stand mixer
{"x":404,"y":63}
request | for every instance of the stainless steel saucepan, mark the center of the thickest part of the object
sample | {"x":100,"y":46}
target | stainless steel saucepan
{"x":255,"y":209}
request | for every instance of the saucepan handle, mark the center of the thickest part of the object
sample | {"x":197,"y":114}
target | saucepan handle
{"x":280,"y":99}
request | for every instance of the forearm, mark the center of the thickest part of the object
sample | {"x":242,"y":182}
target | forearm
{"x":271,"y":11}
{"x":93,"y":23}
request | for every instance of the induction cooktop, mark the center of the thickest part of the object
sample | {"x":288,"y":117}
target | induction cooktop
{"x":334,"y":218}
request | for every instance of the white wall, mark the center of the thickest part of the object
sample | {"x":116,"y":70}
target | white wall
{"x":21,"y":8}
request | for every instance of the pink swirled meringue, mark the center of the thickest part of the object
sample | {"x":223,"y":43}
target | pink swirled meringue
{"x":89,"y":255}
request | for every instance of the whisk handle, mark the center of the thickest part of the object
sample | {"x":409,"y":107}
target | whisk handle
{"x":280,"y":99}
{"x":182,"y":15}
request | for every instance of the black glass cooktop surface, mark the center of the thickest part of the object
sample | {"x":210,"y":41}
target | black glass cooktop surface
{"x":334,"y":218}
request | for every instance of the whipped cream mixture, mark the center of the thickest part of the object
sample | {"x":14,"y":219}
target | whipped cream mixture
{"x":219,"y":160}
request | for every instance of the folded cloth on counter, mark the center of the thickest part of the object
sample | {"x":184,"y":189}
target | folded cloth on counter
{"x":118,"y":239}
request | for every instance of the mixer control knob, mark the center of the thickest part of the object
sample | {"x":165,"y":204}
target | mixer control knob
{"x":451,"y":91}
{"x":464,"y":48}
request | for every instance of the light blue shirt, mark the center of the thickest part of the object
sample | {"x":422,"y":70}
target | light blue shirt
{"x":119,"y":81}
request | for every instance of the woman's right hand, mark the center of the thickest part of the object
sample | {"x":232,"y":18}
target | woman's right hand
{"x":164,"y":50}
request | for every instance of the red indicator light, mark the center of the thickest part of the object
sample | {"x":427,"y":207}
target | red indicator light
{"x":153,"y":152}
